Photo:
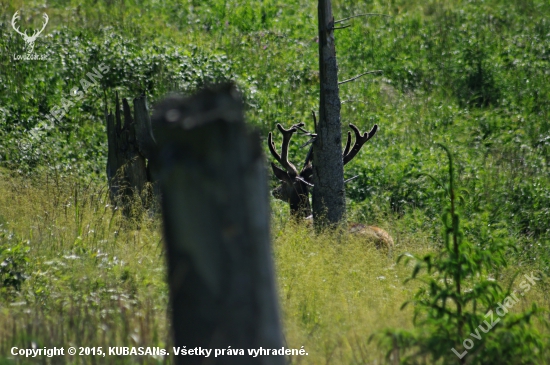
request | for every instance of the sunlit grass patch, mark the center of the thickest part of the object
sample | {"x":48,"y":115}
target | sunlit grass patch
{"x":88,"y":276}
{"x":336,"y":290}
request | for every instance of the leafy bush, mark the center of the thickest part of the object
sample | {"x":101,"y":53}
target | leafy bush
{"x":456,"y":312}
{"x":13,"y":261}
{"x":78,"y":142}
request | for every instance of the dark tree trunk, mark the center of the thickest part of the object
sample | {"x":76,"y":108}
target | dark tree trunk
{"x":216,"y":223}
{"x":328,"y":197}
{"x":143,"y":128}
{"x":146,"y":145}
{"x":129,"y":145}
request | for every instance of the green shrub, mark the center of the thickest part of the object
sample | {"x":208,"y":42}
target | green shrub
{"x":78,"y":141}
{"x":13,"y":262}
{"x":458,"y":309}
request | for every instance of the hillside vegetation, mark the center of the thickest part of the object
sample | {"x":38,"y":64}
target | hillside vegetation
{"x":473,"y":75}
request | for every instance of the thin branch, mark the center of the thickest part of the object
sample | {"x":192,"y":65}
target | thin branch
{"x":310,"y":141}
{"x":344,"y":27}
{"x":304,"y":132}
{"x":358,"y":76}
{"x":356,"y":16}
{"x":348,"y":101}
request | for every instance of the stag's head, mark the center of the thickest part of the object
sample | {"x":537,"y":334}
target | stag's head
{"x":294,"y":188}
{"x":295,"y":185}
{"x":29,"y":39}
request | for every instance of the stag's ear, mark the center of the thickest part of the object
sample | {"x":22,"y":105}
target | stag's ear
{"x":281,"y":174}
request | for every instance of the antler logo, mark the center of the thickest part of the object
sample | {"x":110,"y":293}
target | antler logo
{"x":29,"y":40}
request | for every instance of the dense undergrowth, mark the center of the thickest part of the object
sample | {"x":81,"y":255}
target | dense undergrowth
{"x":474,"y":75}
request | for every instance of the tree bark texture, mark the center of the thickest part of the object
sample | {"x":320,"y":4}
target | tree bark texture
{"x":328,"y":196}
{"x":128,"y":146}
{"x":216,"y":226}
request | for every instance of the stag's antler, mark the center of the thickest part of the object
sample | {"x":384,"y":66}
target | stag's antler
{"x":37,"y":32}
{"x":283,"y":157}
{"x":349,"y":153}
{"x":15,"y":27}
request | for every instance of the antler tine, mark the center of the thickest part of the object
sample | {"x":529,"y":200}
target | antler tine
{"x":37,"y":32}
{"x":360,"y":140}
{"x":309,"y":158}
{"x":283,"y":157}
{"x":290,"y":130}
{"x":46,"y":18}
{"x":314,"y":121}
{"x":271,"y":146}
{"x":13,"y":22}
{"x":348,"y":145}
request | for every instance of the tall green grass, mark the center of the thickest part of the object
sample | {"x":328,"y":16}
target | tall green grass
{"x":92,"y":278}
{"x":87,"y":277}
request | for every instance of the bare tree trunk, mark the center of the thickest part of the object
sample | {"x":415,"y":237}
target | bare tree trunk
{"x":126,"y":166}
{"x":146,"y":145}
{"x":143,"y":128}
{"x":329,"y":203}
{"x":216,"y":223}
{"x":129,"y":145}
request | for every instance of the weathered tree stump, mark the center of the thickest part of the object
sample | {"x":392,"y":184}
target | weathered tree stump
{"x":216,"y":225}
{"x":129,"y":145}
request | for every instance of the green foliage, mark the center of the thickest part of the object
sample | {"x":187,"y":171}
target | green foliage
{"x":131,"y":66}
{"x":473,"y":74}
{"x":461,"y":302}
{"x":13,"y":263}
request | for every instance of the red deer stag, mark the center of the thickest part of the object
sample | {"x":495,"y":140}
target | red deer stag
{"x":295,"y":185}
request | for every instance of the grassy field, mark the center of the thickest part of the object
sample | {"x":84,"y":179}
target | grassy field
{"x":92,"y":278}
{"x":474,"y":75}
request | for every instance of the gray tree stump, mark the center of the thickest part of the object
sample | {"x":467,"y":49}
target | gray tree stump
{"x":216,"y":225}
{"x":129,"y":145}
